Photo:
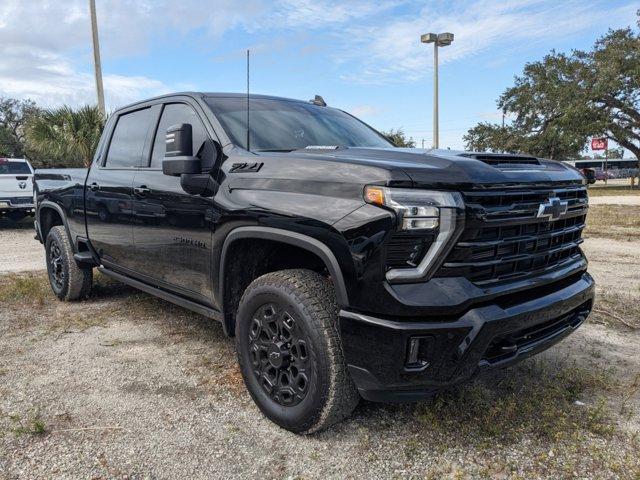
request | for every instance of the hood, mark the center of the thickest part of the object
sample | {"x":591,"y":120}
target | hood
{"x":465,"y":170}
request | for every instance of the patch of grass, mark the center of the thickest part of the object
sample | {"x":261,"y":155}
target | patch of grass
{"x":33,"y":425}
{"x":617,"y":221}
{"x":621,"y":310}
{"x":218,"y":374}
{"x":78,"y":322}
{"x":610,"y":190}
{"x":32,"y":289}
{"x":538,"y":400}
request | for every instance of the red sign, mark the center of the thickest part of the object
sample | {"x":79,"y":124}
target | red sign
{"x":598,"y":144}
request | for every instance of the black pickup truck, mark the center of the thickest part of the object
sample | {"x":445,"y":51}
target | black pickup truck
{"x":343,"y":266}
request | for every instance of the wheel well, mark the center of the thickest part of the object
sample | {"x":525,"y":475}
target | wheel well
{"x":250,"y":258}
{"x":49,"y":217}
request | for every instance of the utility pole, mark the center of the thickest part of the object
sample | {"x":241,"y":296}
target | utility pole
{"x":96,"y":56}
{"x":438,"y":40}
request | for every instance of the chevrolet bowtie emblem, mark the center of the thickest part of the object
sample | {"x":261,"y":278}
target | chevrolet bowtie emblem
{"x":553,"y":209}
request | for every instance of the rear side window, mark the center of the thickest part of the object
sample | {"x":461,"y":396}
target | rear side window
{"x":173,"y":114}
{"x":127,"y":142}
{"x":14,"y":168}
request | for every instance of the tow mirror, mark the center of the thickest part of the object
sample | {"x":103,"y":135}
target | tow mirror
{"x":178,"y":158}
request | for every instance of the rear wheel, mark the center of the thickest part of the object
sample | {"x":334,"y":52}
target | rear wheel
{"x":68,"y":281}
{"x":290,"y":353}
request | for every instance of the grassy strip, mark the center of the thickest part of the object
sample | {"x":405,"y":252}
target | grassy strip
{"x":538,"y":399}
{"x":616,"y":221}
{"x":617,"y":309}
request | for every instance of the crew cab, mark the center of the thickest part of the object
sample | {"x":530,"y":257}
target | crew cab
{"x":16,"y":188}
{"x":344,"y":267}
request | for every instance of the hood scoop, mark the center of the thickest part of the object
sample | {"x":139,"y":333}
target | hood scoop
{"x":504,"y":160}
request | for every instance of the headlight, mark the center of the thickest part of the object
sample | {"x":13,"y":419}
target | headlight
{"x":429,"y":211}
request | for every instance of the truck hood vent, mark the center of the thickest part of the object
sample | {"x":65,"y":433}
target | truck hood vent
{"x":498,"y":160}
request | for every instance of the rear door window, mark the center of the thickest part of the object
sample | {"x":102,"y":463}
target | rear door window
{"x":127,"y":142}
{"x":14,"y":168}
{"x":173,"y":114}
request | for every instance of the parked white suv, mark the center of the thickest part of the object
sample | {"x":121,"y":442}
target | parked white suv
{"x":16,"y":188}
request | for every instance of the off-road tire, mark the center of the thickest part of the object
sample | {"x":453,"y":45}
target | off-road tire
{"x":68,"y":281}
{"x":310,"y":299}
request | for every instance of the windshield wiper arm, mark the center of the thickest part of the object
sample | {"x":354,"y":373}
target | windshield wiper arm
{"x":275,"y":150}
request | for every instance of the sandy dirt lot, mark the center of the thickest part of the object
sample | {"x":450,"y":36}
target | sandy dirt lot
{"x":19,"y":251}
{"x":126,"y":386}
{"x":615,"y":200}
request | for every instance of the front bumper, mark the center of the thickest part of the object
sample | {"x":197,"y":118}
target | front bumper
{"x":377,"y":350}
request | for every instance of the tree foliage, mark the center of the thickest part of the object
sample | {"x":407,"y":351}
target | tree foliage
{"x":399,"y":139}
{"x":13,"y":117}
{"x":559,"y":102}
{"x":69,"y":137}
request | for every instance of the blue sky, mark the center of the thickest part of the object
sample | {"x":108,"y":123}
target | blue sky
{"x":363,"y":57}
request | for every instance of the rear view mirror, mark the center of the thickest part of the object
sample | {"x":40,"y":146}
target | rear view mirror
{"x":178,"y":158}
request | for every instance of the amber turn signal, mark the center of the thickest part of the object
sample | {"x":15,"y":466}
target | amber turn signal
{"x":374,"y":195}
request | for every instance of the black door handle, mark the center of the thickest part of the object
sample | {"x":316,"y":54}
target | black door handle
{"x":94,"y":187}
{"x":141,"y":191}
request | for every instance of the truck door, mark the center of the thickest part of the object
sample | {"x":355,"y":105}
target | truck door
{"x":172,"y":230}
{"x":108,"y":198}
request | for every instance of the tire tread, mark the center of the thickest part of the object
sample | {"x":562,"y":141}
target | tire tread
{"x":79,"y":280}
{"x":316,"y":296}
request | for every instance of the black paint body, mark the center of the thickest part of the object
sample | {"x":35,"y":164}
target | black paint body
{"x":143,"y":225}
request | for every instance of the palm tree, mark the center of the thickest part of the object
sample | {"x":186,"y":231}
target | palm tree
{"x":69,"y":137}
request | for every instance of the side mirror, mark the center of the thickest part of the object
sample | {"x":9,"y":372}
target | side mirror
{"x":178,"y":158}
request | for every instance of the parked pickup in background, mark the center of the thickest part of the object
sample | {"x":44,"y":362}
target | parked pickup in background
{"x":16,"y":188}
{"x":343,"y":266}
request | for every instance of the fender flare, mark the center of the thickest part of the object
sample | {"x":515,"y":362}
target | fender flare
{"x":60,"y":211}
{"x":293,"y":238}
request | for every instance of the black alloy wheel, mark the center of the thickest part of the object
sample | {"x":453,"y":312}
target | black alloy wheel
{"x":68,"y":280}
{"x":279,"y":354}
{"x":57,"y":274}
{"x":290,"y":352}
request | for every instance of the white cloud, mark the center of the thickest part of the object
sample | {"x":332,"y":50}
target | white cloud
{"x":392,"y":51}
{"x":45,"y":46}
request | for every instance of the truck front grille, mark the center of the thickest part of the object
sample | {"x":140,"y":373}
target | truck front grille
{"x":505,"y":240}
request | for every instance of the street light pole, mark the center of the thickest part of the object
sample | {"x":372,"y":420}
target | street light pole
{"x":96,"y":56}
{"x":438,"y":40}
{"x":436,"y":100}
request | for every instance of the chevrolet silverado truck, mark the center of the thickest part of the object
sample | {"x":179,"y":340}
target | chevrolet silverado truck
{"x":344,"y":267}
{"x":16,"y":188}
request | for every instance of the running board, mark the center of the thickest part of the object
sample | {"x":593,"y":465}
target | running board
{"x":169,"y":297}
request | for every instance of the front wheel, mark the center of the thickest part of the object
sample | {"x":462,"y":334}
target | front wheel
{"x":290,"y":352}
{"x":68,"y":281}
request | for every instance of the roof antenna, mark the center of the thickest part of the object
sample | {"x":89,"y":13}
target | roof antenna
{"x":248,"y":129}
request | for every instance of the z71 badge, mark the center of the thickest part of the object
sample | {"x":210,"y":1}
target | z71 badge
{"x":246,"y":167}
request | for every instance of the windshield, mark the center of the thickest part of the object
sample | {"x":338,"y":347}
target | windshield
{"x":283,"y":125}
{"x":14,"y":168}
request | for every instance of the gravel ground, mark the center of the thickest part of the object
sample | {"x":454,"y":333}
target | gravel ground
{"x":126,"y":386}
{"x":19,"y":251}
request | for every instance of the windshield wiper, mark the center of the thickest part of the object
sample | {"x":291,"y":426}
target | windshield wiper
{"x":275,"y":150}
